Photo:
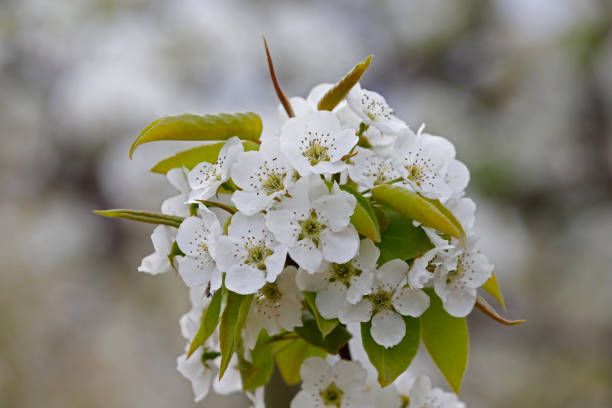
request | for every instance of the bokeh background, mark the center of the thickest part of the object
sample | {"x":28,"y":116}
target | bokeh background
{"x":522,"y":87}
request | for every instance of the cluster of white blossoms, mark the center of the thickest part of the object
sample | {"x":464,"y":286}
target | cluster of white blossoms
{"x":344,"y":216}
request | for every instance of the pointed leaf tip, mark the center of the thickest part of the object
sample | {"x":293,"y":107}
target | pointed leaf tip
{"x":282,"y":97}
{"x":486,"y":308}
{"x":339,"y":91}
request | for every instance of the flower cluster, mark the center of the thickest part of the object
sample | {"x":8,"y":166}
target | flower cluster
{"x":342,"y":216}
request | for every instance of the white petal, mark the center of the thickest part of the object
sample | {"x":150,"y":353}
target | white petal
{"x":360,"y":285}
{"x":244,"y":280}
{"x":162,"y":238}
{"x":176,"y":206}
{"x":314,"y":370}
{"x":340,"y":247}
{"x":368,"y":255}
{"x":306,"y":255}
{"x":225,"y":253}
{"x":283,"y":226}
{"x":311,"y":282}
{"x":360,"y":312}
{"x":459,"y":303}
{"x":196,"y":272}
{"x":243,"y":226}
{"x":411,"y":302}
{"x":392,"y":273}
{"x":228,"y":154}
{"x":349,"y":375}
{"x":178,"y":178}
{"x":303,"y":399}
{"x":388,"y":328}
{"x":231,"y":381}
{"x":275,"y":262}
{"x":329,"y":300}
{"x":344,"y":141}
{"x":317,"y":93}
{"x":251,"y":202}
{"x":154,"y":264}
{"x":419,"y":391}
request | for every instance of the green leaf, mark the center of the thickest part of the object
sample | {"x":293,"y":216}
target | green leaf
{"x":428,"y":212}
{"x":393,"y":361}
{"x":290,"y":357}
{"x":402,"y":240}
{"x":492,"y":287}
{"x":257,"y":372}
{"x":446,"y":339}
{"x":142,"y":216}
{"x":194,"y":127}
{"x":208,"y":321}
{"x":174,"y":252}
{"x":232,"y":321}
{"x":325,"y":326}
{"x":191,"y":157}
{"x":332,"y":343}
{"x":364,"y":218}
{"x":339,"y":91}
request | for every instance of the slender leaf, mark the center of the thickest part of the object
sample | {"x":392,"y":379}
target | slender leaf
{"x":339,"y":91}
{"x":325,"y":325}
{"x":282,"y":97}
{"x":364,"y":218}
{"x":208,"y":321}
{"x":486,"y":308}
{"x":332,"y":343}
{"x":142,"y":216}
{"x":492,"y":287}
{"x":393,"y":361}
{"x":402,"y":240}
{"x":257,"y":372}
{"x":191,"y":157}
{"x":195,"y":127}
{"x":446,"y":339}
{"x":232,"y":321}
{"x":428,"y":212}
{"x":289,"y":358}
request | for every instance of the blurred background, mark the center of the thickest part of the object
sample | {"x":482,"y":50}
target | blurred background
{"x":523,"y":88}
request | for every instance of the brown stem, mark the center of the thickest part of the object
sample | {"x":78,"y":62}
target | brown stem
{"x":282,"y":97}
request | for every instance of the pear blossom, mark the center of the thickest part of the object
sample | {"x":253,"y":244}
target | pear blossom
{"x":422,"y":269}
{"x":314,"y":224}
{"x":464,"y":210}
{"x":249,"y":254}
{"x":419,"y":394}
{"x":369,"y":170}
{"x":381,"y":143}
{"x":340,"y":283}
{"x":373,"y":109}
{"x":389,"y":299}
{"x":177,"y":205}
{"x":197,"y":237}
{"x":316,"y":143}
{"x":158,"y":262}
{"x":341,"y":385}
{"x":462,"y":271}
{"x":275,"y":307}
{"x":206,"y":178}
{"x":422,"y":161}
{"x":262,"y":175}
{"x":457,"y":176}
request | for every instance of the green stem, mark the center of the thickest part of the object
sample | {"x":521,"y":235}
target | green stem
{"x":388,"y":182}
{"x":227,"y":208}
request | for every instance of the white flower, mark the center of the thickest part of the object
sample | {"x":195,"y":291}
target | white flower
{"x":464,"y":209}
{"x":339,"y":283}
{"x":314,"y":224}
{"x":372,"y":108}
{"x":386,"y":303}
{"x":249,"y":254}
{"x":302,"y":107}
{"x":341,"y":386}
{"x":262,"y":175}
{"x":423,"y":267}
{"x":421,"y":395}
{"x":315,"y":143}
{"x":459,"y":275}
{"x":275,"y":307}
{"x":422,"y":161}
{"x":197,"y":237}
{"x":197,"y":370}
{"x":206,"y":178}
{"x":158,"y":262}
{"x":381,"y":143}
{"x":369,"y":170}
{"x":457,"y":176}
{"x":177,"y":205}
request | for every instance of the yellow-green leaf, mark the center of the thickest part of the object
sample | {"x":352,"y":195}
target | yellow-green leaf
{"x":393,"y":361}
{"x":257,"y":372}
{"x":428,"y":212}
{"x":492,"y":287}
{"x":208,"y":321}
{"x":446,"y":339}
{"x":195,"y":127}
{"x":290,"y":356}
{"x":364,"y":218}
{"x":232,"y":320}
{"x":339,"y":91}
{"x":142,"y":216}
{"x":325,"y":325}
{"x":191,"y":157}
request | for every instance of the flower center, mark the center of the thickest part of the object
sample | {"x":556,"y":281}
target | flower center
{"x":311,"y":228}
{"x":415,"y":173}
{"x":405,"y":401}
{"x":381,"y":300}
{"x":273,"y":183}
{"x":271,"y":292}
{"x":314,"y":149}
{"x":204,"y":248}
{"x":257,"y":254}
{"x":343,"y":273}
{"x":332,"y":395}
{"x":376,"y":110}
